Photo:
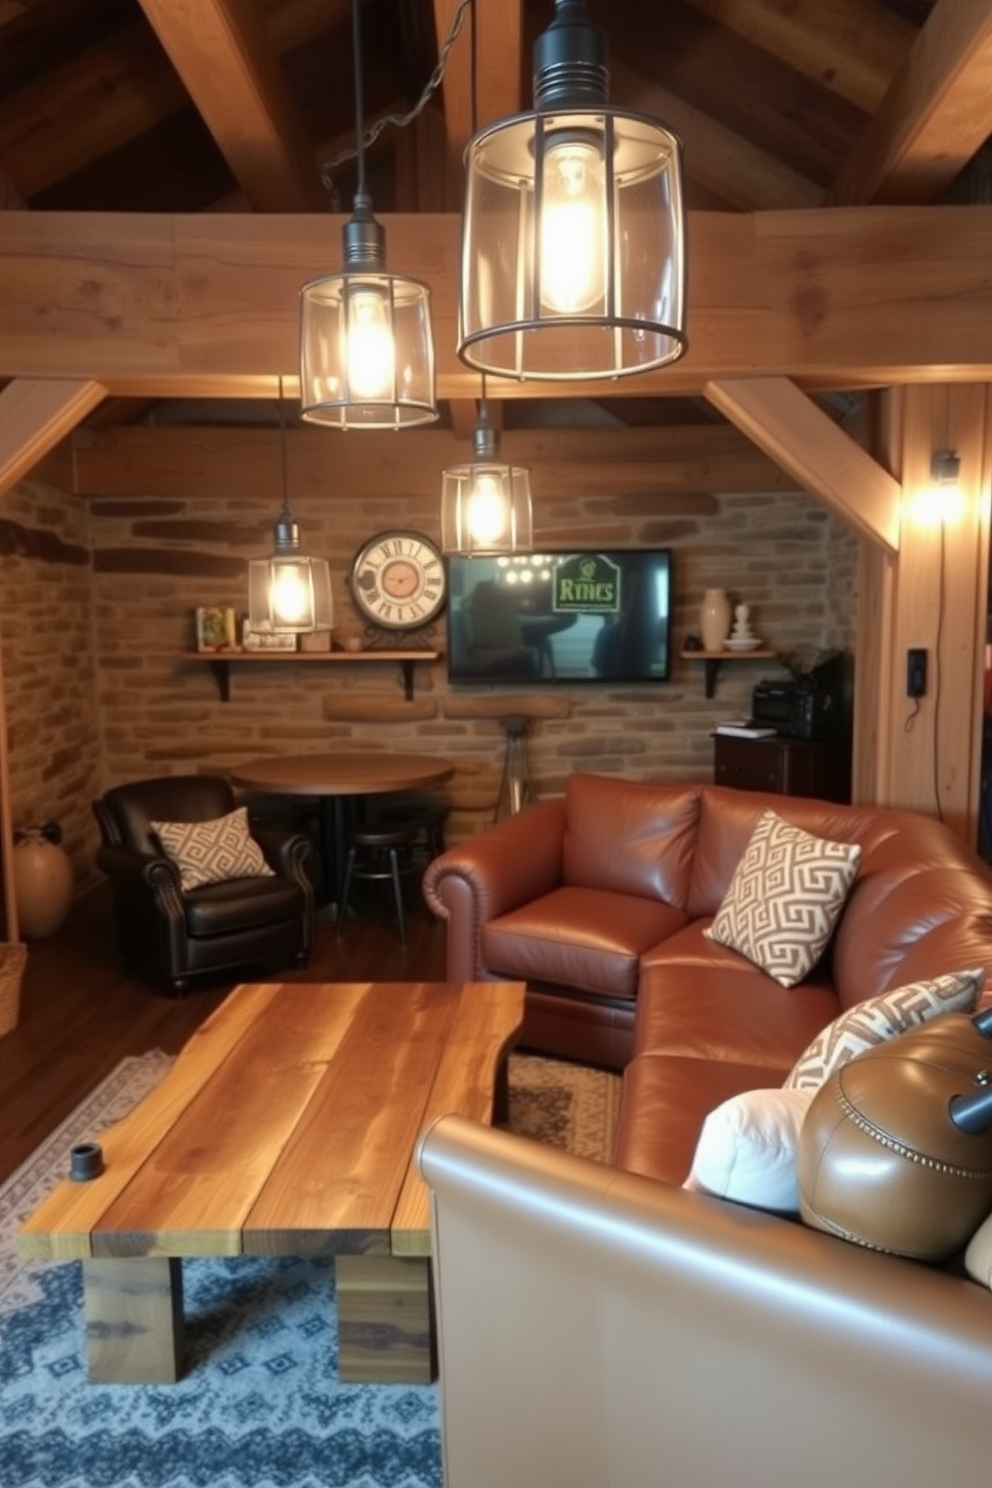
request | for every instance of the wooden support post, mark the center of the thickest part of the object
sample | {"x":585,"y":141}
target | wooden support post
{"x":134,"y":1320}
{"x":385,"y":1319}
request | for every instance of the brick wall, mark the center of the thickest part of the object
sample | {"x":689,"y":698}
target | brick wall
{"x":97,"y":604}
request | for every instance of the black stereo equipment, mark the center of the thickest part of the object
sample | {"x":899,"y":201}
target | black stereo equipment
{"x":807,"y":705}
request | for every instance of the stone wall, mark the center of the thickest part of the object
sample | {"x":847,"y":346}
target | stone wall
{"x":49,"y":660}
{"x":97,"y":606}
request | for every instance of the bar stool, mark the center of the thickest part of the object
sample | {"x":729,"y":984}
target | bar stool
{"x":380,"y":855}
{"x":425,"y":812}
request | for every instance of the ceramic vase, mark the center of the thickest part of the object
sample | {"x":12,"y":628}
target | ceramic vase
{"x":714,"y":619}
{"x":43,"y":885}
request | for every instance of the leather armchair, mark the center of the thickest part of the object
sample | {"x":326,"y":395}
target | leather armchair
{"x":172,"y":938}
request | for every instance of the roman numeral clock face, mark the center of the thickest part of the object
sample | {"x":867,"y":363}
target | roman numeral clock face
{"x":398,"y":580}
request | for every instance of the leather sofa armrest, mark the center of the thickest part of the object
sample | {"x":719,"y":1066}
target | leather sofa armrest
{"x":598,"y":1327}
{"x":509,"y":864}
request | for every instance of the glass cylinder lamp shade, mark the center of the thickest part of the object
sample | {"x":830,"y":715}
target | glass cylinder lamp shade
{"x":289,"y":593}
{"x":486,"y":508}
{"x":366,"y":352}
{"x":573,"y":251}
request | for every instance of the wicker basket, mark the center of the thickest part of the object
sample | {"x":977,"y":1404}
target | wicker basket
{"x":12,"y":962}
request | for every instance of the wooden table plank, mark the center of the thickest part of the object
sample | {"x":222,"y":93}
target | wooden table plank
{"x":61,"y":1228}
{"x":488,"y":1019}
{"x":336,"y":1184}
{"x":195,"y":1191}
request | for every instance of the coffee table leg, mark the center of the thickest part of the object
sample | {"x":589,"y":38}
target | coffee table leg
{"x":134,"y":1320}
{"x":385,"y":1320}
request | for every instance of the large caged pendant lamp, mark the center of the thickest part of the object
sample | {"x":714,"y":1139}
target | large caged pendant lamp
{"x":573,"y":233}
{"x":366,"y":346}
{"x":289,"y":593}
{"x":486,"y":503}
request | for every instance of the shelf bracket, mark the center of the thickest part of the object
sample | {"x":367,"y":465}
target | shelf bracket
{"x":406,"y":667}
{"x":712,"y":670}
{"x":222,"y":676}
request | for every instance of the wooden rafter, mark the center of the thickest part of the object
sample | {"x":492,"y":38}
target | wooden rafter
{"x":802,"y":440}
{"x":222,"y":51}
{"x":936,"y":115}
{"x":34,"y":416}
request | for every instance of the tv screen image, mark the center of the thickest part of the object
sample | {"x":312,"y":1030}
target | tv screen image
{"x":599,"y":616}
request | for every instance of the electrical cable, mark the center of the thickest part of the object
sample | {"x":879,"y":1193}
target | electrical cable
{"x":400,"y":121}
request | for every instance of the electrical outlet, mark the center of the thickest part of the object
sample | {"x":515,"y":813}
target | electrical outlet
{"x":916,"y":672}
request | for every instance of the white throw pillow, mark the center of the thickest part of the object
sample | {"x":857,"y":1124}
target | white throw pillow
{"x":747,"y":1149}
{"x":882,"y":1018}
{"x":978,"y":1256}
{"x":211,"y":851}
{"x":785,"y":898}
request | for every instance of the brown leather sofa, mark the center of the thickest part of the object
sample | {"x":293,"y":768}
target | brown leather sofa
{"x":598,"y":900}
{"x":599,"y":1326}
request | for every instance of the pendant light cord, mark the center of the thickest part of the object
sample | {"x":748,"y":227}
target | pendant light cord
{"x":356,"y":47}
{"x":367,"y":138}
{"x":282,"y":447}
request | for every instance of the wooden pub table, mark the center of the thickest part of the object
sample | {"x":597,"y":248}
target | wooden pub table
{"x":287,"y":1126}
{"x":334,"y":778}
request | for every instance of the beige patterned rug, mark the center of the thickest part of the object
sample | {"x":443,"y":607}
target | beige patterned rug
{"x":565,"y":1105}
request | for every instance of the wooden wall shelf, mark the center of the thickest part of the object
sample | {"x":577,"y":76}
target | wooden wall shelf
{"x":220,"y":662}
{"x":713,"y":660}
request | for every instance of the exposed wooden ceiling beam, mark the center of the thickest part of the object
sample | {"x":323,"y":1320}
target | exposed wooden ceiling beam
{"x":822,"y":459}
{"x":739,"y":173}
{"x":222,"y":51}
{"x":850,"y":48}
{"x":499,"y":85}
{"x":935,"y":116}
{"x":159,"y":305}
{"x":188,"y":461}
{"x":34,"y":416}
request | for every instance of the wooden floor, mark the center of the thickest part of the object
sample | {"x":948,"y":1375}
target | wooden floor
{"x":81,"y":1014}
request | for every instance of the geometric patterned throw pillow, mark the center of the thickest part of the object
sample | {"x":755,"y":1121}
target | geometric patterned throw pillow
{"x":881,"y":1018}
{"x":210,"y":851}
{"x":785,"y":897}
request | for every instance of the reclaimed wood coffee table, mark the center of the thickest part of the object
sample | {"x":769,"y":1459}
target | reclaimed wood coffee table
{"x":287,"y":1126}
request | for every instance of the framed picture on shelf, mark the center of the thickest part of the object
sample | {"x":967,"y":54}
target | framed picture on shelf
{"x":253,"y":640}
{"x":215,"y":628}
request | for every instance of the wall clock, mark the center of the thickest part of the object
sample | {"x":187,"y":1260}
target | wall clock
{"x":398,"y":580}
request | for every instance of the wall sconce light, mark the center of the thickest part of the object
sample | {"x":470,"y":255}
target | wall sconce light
{"x":940,"y":500}
{"x":485,"y":504}
{"x":366,"y":346}
{"x":289,"y":593}
{"x":573,"y":236}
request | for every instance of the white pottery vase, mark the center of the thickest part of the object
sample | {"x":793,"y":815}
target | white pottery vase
{"x":714,"y":619}
{"x":43,"y":885}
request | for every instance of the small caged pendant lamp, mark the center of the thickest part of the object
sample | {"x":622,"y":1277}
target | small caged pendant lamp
{"x":573,"y":234}
{"x":366,"y":346}
{"x":486,"y":503}
{"x":290,"y":592}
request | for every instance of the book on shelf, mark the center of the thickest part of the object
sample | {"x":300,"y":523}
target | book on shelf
{"x":745,"y":728}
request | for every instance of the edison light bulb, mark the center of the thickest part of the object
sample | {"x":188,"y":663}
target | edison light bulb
{"x":371,"y":353}
{"x":290,"y":595}
{"x":573,"y":227}
{"x":486,"y":510}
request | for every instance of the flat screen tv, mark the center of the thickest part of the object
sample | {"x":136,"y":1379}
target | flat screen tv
{"x":561,"y":617}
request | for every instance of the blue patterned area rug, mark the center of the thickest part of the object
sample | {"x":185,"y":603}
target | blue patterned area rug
{"x":259,"y":1405}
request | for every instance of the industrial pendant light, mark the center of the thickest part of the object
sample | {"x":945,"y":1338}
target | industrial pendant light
{"x":485,"y":504}
{"x":288,"y":593}
{"x":366,"y":348}
{"x":573,"y":236}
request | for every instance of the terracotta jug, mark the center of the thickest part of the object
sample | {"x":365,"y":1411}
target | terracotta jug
{"x":43,"y":884}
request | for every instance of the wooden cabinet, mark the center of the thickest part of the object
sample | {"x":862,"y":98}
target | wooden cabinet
{"x":789,"y":767}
